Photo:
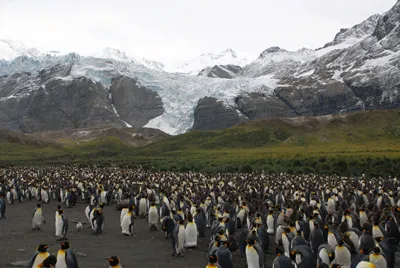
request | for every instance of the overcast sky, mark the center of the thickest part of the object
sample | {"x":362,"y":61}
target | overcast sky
{"x":172,"y":30}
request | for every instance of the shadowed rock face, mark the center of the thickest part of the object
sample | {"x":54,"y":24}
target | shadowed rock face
{"x":211,"y":114}
{"x":50,"y":101}
{"x":221,"y":71}
{"x":257,"y":106}
{"x":135,"y":104}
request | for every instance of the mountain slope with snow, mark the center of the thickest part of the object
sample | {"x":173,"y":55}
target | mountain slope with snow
{"x":206,"y":60}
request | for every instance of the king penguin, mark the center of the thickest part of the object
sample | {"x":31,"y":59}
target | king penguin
{"x":366,"y":264}
{"x":128,"y":222}
{"x":114,"y":262}
{"x":40,"y":255}
{"x":191,"y":234}
{"x":37,"y":218}
{"x":254,"y":255}
{"x":377,"y":259}
{"x":153,"y":217}
{"x":66,"y":258}
{"x":342,"y":255}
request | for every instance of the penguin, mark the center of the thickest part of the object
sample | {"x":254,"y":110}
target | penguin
{"x":88,"y":209}
{"x":123,"y":213}
{"x":44,"y":196}
{"x":377,"y":259}
{"x":342,"y":255}
{"x":224,"y":256}
{"x":168,"y":226}
{"x":359,"y":257}
{"x":2,"y":206}
{"x":153,"y":217}
{"x":317,"y":238}
{"x":326,"y":254}
{"x":212,"y":262}
{"x":39,"y":256}
{"x":181,"y":235}
{"x":59,"y":222}
{"x":142,"y":207}
{"x":114,"y":262}
{"x":200,"y":220}
{"x":304,"y":256}
{"x":270,"y":223}
{"x":127,"y":223}
{"x":37,"y":218}
{"x":191,"y":234}
{"x":366,"y":264}
{"x":79,"y":226}
{"x":282,"y":261}
{"x":66,"y":258}
{"x":254,"y":256}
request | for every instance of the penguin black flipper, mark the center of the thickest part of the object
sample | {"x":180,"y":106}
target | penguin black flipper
{"x":71,"y":260}
{"x":30,"y":265}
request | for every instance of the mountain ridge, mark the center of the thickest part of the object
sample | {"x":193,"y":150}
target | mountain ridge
{"x":358,"y":70}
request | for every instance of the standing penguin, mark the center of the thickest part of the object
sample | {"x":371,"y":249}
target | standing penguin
{"x":37,"y":218}
{"x":128,"y":222}
{"x":114,"y":262}
{"x":342,"y":255}
{"x":282,"y":261}
{"x":66,"y":258}
{"x":153,"y":217}
{"x":40,"y":255}
{"x":365,"y":264}
{"x":2,"y":206}
{"x":58,"y":221}
{"x":98,"y":221}
{"x":179,"y":235}
{"x":377,"y":259}
{"x":142,"y":207}
{"x":254,"y":255}
{"x":224,"y":256}
{"x":61,"y":226}
{"x":191,"y":234}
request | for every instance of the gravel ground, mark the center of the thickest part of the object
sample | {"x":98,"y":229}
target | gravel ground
{"x":147,"y":249}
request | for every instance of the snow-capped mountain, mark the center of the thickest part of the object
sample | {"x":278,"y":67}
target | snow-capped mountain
{"x":196,"y":65}
{"x":10,"y":50}
{"x":359,"y":69}
{"x":118,"y":55}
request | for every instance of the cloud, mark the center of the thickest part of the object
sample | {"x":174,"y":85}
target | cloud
{"x":170,"y":30}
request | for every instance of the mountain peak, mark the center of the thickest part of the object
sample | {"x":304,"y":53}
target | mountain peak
{"x":11,"y":49}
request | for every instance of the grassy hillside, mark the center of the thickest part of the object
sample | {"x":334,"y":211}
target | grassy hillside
{"x":347,"y":144}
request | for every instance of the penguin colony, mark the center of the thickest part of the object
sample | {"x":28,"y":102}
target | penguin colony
{"x":311,"y":221}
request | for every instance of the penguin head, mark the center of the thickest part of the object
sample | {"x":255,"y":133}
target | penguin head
{"x":65,"y":245}
{"x":113,"y":261}
{"x":251,"y":241}
{"x":101,"y":205}
{"x":340,"y":242}
{"x":58,"y":207}
{"x":38,"y":205}
{"x":376,"y":250}
{"x":50,"y":261}
{"x":42,"y":248}
{"x":213,"y":259}
{"x":279,"y":251}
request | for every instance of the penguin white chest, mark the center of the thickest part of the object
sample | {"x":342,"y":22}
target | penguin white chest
{"x":253,"y":260}
{"x":40,"y":258}
{"x":125,"y":224}
{"x":191,"y":235}
{"x":61,"y":259}
{"x":270,"y":224}
{"x":181,"y":238}
{"x":59,"y":224}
